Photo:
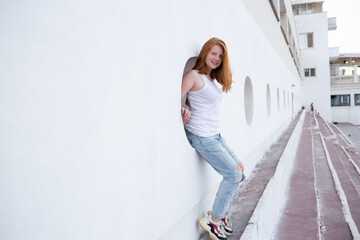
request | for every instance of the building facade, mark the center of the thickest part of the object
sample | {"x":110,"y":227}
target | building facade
{"x":312,"y":25}
{"x":92,"y":144}
{"x":345,"y":87}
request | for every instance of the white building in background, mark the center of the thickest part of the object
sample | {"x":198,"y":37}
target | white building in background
{"x":345,"y":86}
{"x":312,"y":25}
{"x":92,"y":144}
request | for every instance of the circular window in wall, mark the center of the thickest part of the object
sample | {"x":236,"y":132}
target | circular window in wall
{"x":288,"y":100}
{"x":268,"y":100}
{"x":248,"y":100}
{"x":278,"y":100}
{"x":190,"y":63}
{"x":284,"y":99}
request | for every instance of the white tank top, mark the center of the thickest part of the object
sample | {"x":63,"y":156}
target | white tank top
{"x":205,"y":109}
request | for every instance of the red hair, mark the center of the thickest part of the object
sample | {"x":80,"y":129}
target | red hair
{"x":222,"y":74}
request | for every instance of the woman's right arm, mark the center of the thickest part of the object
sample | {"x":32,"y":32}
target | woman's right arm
{"x":187,"y":84}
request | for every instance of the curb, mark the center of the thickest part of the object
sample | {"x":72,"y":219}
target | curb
{"x":262,"y":223}
{"x":346,"y":210}
{"x":347,"y":139}
{"x":351,"y":160}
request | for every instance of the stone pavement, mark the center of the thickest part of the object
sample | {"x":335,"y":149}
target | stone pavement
{"x":322,"y":199}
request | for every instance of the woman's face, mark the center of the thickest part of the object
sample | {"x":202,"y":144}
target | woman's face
{"x":214,"y":58}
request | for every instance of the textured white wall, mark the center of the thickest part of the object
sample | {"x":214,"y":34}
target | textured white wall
{"x":316,"y":89}
{"x":91,"y":143}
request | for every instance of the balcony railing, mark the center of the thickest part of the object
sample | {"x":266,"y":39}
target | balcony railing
{"x":340,"y":79}
{"x":350,"y":64}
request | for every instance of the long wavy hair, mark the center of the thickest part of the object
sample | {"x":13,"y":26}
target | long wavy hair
{"x":222,"y":74}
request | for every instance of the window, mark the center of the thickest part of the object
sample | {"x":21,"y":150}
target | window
{"x":248,"y":101}
{"x":275,"y":8}
{"x":268,"y":99}
{"x":306,"y":40}
{"x":357,"y":99}
{"x":340,"y":100}
{"x":312,"y":72}
{"x":332,"y":71}
{"x":278,"y":100}
{"x":306,"y":8}
{"x":310,"y":42}
{"x":296,"y":10}
{"x":283,"y":26}
{"x":309,"y":72}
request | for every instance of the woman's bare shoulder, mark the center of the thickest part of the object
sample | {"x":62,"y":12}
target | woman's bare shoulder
{"x":192,"y":74}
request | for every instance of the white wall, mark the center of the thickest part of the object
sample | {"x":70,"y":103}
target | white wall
{"x":266,"y":20}
{"x":334,"y":53}
{"x":92,"y":144}
{"x":316,"y":89}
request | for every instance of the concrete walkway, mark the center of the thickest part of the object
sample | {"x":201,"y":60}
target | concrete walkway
{"x":299,"y":217}
{"x":253,"y":187}
{"x":316,"y":202}
{"x":323,"y":195}
{"x":319,"y":196}
{"x":312,"y":194}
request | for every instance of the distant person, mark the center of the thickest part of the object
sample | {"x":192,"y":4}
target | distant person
{"x":202,"y":130}
{"x":312,"y":107}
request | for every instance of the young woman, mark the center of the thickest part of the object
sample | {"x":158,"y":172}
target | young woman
{"x":202,"y":130}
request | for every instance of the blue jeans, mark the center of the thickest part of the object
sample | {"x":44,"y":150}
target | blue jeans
{"x":218,"y":154}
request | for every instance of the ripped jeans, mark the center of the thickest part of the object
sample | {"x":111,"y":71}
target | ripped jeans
{"x":218,"y":154}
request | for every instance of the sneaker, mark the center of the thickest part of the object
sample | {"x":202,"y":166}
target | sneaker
{"x":226,"y":223}
{"x":215,"y":229}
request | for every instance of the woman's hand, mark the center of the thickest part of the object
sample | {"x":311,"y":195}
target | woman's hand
{"x":185,"y":114}
{"x":239,"y":165}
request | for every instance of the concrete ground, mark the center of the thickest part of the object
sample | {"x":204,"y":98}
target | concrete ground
{"x":322,"y":195}
{"x":352,"y":132}
{"x":253,"y":187}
